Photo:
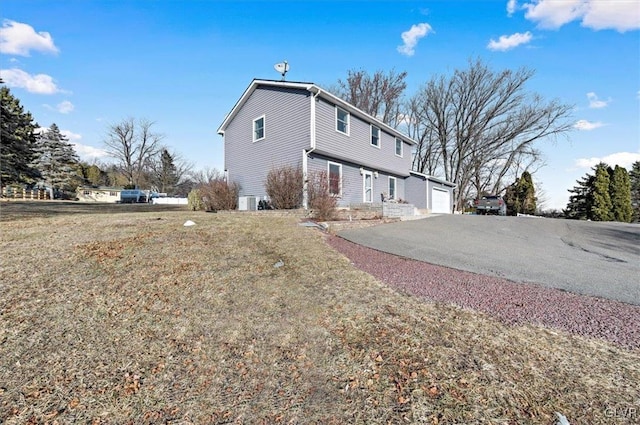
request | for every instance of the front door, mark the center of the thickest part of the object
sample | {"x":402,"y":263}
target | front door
{"x":367,"y":186}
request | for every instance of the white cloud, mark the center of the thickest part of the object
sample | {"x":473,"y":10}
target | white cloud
{"x":585,"y":125}
{"x":623,"y":159}
{"x":19,"y":39}
{"x":39,"y":83}
{"x":507,"y":42}
{"x":411,"y":37}
{"x":512,"y":5}
{"x":88,"y":153}
{"x":70,"y":135}
{"x":621,"y":15}
{"x":595,"y":103}
{"x":65,"y":107}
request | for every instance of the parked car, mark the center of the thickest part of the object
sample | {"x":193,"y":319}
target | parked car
{"x":491,"y":204}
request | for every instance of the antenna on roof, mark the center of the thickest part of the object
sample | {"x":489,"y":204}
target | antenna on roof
{"x":282,"y":68}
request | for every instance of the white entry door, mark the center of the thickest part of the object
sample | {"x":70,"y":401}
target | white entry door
{"x":367,"y":186}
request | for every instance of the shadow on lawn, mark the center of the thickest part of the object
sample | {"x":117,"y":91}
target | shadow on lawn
{"x":16,"y":210}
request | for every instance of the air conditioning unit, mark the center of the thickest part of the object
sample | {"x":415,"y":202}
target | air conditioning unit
{"x":248,"y":203}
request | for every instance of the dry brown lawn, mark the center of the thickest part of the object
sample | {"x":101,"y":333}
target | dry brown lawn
{"x":126,"y":316}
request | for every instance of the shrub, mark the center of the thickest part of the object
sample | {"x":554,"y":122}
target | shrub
{"x":284,"y":187}
{"x":321,"y":202}
{"x":195,"y":200}
{"x":218,"y":194}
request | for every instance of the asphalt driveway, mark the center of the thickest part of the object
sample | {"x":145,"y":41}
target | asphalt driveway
{"x":590,"y":258}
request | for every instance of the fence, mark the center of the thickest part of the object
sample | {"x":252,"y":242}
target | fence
{"x":20,"y":193}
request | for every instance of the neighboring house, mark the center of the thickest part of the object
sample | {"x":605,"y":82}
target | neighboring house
{"x":98,"y":194}
{"x":282,"y":123}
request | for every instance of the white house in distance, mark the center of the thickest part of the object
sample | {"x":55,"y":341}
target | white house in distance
{"x":98,"y":194}
{"x":282,"y":123}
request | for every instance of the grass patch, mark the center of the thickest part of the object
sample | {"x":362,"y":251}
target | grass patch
{"x":133,"y":318}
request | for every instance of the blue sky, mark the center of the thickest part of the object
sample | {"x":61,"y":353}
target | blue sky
{"x":183,"y":64}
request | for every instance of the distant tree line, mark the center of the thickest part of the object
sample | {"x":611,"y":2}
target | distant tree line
{"x":33,"y":157}
{"x":608,"y":194}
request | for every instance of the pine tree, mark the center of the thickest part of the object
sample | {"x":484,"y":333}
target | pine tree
{"x":581,"y":199}
{"x":166,"y":177}
{"x":634,"y":183}
{"x":18,"y":139}
{"x":56,"y":160}
{"x":601,"y":209}
{"x":520,"y":196}
{"x":620,"y":192}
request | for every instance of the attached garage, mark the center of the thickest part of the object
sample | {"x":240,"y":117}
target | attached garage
{"x":430,"y":193}
{"x":440,"y":201}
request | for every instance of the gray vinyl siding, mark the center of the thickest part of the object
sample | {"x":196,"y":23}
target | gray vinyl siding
{"x":286,"y":133}
{"x":352,"y":181}
{"x":356,"y":147}
{"x":416,"y":191}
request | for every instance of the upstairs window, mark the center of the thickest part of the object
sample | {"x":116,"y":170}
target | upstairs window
{"x":398,"y":147}
{"x":375,"y":136}
{"x":258,"y":129}
{"x":342,"y":121}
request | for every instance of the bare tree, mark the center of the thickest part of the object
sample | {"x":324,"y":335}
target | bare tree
{"x":479,"y":126}
{"x":379,"y":95}
{"x":133,"y":143}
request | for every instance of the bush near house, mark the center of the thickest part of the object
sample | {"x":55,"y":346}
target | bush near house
{"x":321,"y":202}
{"x":284,"y":187}
{"x":218,"y":194}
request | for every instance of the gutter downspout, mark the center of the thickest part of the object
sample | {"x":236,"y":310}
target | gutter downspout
{"x":305,"y":152}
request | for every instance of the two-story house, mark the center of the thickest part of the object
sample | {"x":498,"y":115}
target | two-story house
{"x":278,"y":123}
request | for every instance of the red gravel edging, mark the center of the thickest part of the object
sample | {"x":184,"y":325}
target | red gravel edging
{"x":510,"y":302}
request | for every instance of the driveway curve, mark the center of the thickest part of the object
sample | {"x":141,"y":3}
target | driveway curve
{"x":589,"y":258}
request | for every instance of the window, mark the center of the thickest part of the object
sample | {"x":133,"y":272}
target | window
{"x":375,"y":136}
{"x":113,"y":193}
{"x":392,"y":187}
{"x":398,"y":147}
{"x":335,"y":179}
{"x":86,"y":192}
{"x":258,"y":129}
{"x":342,"y":121}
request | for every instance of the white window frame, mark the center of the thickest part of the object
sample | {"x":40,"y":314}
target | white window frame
{"x":329,"y":164}
{"x":347,"y":123}
{"x":395,"y":148}
{"x":377,"y":137}
{"x":364,"y":186}
{"x":395,"y":187}
{"x":253,"y":128}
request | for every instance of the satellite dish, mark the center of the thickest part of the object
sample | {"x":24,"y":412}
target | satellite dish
{"x":282,"y":68}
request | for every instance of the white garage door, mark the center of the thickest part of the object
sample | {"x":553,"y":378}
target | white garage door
{"x":440,"y":201}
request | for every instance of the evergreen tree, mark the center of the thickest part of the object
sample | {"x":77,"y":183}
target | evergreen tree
{"x":601,"y":209}
{"x":520,"y":196}
{"x":620,"y":192}
{"x":56,"y":160}
{"x":634,"y":183}
{"x":581,"y":199}
{"x":165,"y":173}
{"x":18,"y":139}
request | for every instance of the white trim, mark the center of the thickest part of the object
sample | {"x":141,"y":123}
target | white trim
{"x":253,"y":128}
{"x":366,"y":173}
{"x":371,"y":127}
{"x":395,"y":147}
{"x":348,"y":123}
{"x":395,"y":187}
{"x":329,"y":164}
